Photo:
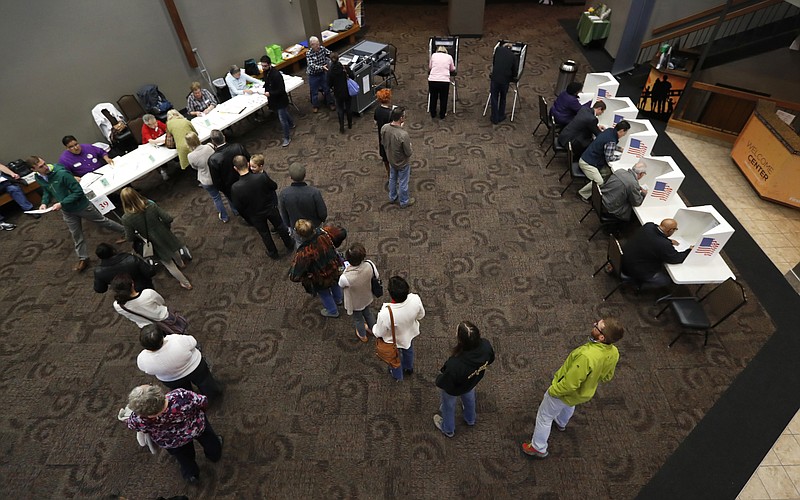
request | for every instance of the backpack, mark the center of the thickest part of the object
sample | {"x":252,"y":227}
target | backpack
{"x":153,"y":100}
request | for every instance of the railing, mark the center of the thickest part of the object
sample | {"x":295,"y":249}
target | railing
{"x":720,"y":112}
{"x":737,"y":21}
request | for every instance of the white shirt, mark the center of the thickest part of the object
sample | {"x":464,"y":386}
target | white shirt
{"x":406,"y":321}
{"x":149,"y":303}
{"x":237,"y":85}
{"x":176,"y":359}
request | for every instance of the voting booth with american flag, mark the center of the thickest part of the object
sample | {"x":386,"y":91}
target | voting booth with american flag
{"x":638,"y":141}
{"x":598,"y":86}
{"x":663,"y":179}
{"x":704,"y":228}
{"x":617,"y":109}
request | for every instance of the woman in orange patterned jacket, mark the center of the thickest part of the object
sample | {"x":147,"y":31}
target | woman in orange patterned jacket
{"x":317,"y":264}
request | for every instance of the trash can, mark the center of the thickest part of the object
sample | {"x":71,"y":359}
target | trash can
{"x":221,"y":88}
{"x":566,"y":75}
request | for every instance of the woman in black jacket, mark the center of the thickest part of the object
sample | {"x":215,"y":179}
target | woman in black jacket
{"x":337,"y":77}
{"x":460,"y":374}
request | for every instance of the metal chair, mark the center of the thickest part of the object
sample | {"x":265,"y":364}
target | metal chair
{"x":557,"y":148}
{"x":703,"y":315}
{"x":130,"y":107}
{"x":607,"y":221}
{"x":574,"y":170}
{"x":388,"y":73}
{"x":614,"y":257}
{"x":544,"y":117}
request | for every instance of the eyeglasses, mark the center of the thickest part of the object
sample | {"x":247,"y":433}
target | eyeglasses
{"x":597,"y":327}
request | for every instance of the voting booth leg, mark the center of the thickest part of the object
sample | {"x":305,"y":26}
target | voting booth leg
{"x":455,"y":95}
{"x":514,"y":106}
{"x":489,"y":98}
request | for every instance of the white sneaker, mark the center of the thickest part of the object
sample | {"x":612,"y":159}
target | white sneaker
{"x":164,"y":174}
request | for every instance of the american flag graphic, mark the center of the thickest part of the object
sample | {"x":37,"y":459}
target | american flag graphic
{"x":707,"y":247}
{"x":617,"y":119}
{"x":602,"y":93}
{"x":661,"y":191}
{"x":637,"y":148}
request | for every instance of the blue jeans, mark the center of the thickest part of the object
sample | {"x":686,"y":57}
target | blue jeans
{"x":398,"y":181}
{"x":406,"y":362}
{"x":16,"y":194}
{"x":447,"y":407}
{"x":286,"y":121}
{"x":316,"y":83}
{"x":498,"y":92}
{"x":217,"y":197}
{"x":363,"y":316}
{"x":330,"y":297}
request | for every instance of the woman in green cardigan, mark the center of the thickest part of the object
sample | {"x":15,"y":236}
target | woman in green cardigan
{"x":179,"y":126}
{"x":145,"y":218}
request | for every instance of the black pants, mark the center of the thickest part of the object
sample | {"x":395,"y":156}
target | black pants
{"x":212,"y":449}
{"x":439,"y":91}
{"x":259,"y":221}
{"x":343,"y":107}
{"x":202,"y":378}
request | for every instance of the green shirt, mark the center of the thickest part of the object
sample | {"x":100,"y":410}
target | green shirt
{"x":588,"y":365}
{"x":62,"y":187}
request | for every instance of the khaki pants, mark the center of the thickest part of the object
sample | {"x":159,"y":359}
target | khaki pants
{"x":594,"y":174}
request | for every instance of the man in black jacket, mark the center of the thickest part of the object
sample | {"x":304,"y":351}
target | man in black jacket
{"x":301,"y":201}
{"x":644,"y":255}
{"x":255,"y":199}
{"x":113,"y":264}
{"x":278,"y":98}
{"x":504,"y":71}
{"x":582,"y":129}
{"x":220,"y":163}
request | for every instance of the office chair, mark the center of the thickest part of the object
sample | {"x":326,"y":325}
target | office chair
{"x":130,"y":107}
{"x":124,"y":141}
{"x":557,"y":148}
{"x":614,"y":257}
{"x":703,"y":315}
{"x":388,"y":73}
{"x":607,"y":221}
{"x":544,"y":117}
{"x":574,"y":170}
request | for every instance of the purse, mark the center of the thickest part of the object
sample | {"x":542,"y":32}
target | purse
{"x":352,"y":87}
{"x":174,"y":324}
{"x":386,"y":351}
{"x":147,"y":245}
{"x":169,"y":141}
{"x":375,"y":283}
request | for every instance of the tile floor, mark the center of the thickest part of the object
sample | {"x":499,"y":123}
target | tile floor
{"x":777,"y":230}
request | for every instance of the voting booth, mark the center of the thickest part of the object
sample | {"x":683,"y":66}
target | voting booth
{"x":520,"y":51}
{"x":598,"y":86}
{"x":367,"y":59}
{"x":704,"y":228}
{"x":617,"y":109}
{"x":638,"y":142}
{"x":451,"y":44}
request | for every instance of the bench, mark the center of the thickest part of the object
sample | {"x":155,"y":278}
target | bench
{"x":30,"y":192}
{"x":293,"y":63}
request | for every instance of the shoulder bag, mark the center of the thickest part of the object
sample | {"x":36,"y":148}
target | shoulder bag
{"x":147,"y":245}
{"x":375,"y":283}
{"x":352,"y":87}
{"x":175,"y":324}
{"x":388,"y":352}
{"x":169,"y":141}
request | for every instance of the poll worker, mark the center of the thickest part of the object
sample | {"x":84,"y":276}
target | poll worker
{"x":237,"y":81}
{"x":504,"y":71}
{"x":318,"y":62}
{"x":622,"y":192}
{"x":576,"y":383}
{"x":152,"y":129}
{"x":200,"y":101}
{"x":80,"y":159}
{"x":441,"y":66}
{"x":567,"y":105}
{"x":275,"y":90}
{"x":582,"y":130}
{"x":601,"y":152}
{"x":644,"y":255}
{"x":59,"y":185}
{"x":7,"y":185}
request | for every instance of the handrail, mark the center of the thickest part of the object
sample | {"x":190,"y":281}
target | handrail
{"x":739,"y":94}
{"x":695,"y":17}
{"x":710,"y":22}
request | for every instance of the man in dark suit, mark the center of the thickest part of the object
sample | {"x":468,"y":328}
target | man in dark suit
{"x":504,"y":71}
{"x":644,"y":255}
{"x":220,"y":163}
{"x":582,"y":129}
{"x":113,"y":264}
{"x":255,"y":198}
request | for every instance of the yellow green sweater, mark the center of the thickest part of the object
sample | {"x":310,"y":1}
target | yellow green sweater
{"x":588,"y":365}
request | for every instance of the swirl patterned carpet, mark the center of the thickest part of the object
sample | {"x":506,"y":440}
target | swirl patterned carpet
{"x":309,"y":411}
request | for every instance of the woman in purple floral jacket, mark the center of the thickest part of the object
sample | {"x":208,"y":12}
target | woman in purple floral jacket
{"x":173,"y":421}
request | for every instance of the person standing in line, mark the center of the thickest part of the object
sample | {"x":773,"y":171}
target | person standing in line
{"x":112,"y":264}
{"x":301,"y":201}
{"x":341,"y":92}
{"x":356,"y":283}
{"x":318,"y":63}
{"x":316,"y":264}
{"x":179,"y":126}
{"x":174,"y":421}
{"x":407,"y":310}
{"x":466,"y":366}
{"x":441,"y":66}
{"x":198,"y":159}
{"x":275,"y":90}
{"x":140,"y":306}
{"x":576,"y":382}
{"x":383,"y":115}
{"x":59,"y":185}
{"x":504,"y":71}
{"x":220,"y":163}
{"x":398,"y":149}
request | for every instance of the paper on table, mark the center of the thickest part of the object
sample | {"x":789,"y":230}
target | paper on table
{"x":39,"y":212}
{"x":160,"y":140}
{"x":682,"y":244}
{"x":365,"y":87}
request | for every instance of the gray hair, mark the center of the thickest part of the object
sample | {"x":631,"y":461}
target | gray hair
{"x":173,"y":113}
{"x":640,"y":168}
{"x":297,"y":172}
{"x":148,"y":118}
{"x":217,"y":137}
{"x":146,"y":400}
{"x":234,"y":69}
{"x":312,"y":40}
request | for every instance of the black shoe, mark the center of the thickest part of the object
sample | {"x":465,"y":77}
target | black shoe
{"x":273,"y":255}
{"x":341,"y":129}
{"x":409,"y":371}
{"x":192,"y":479}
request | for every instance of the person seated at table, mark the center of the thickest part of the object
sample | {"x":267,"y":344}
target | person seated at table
{"x":567,"y":105}
{"x":152,"y":129}
{"x":644,"y":255}
{"x":582,"y":130}
{"x":594,"y":162}
{"x":7,"y":185}
{"x":80,"y":159}
{"x":622,"y":192}
{"x":237,"y":81}
{"x":200,"y":101}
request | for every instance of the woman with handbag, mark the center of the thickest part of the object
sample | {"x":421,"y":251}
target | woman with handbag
{"x":337,"y":77}
{"x":178,"y":127}
{"x":356,"y":283}
{"x":317,"y":264}
{"x":460,"y":374}
{"x":145,"y":220}
{"x":398,"y":323}
{"x":145,"y":307}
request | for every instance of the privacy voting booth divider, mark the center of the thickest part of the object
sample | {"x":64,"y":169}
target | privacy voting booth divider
{"x":617,"y":109}
{"x":704,"y":228}
{"x":639,"y":140}
{"x":598,"y":85}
